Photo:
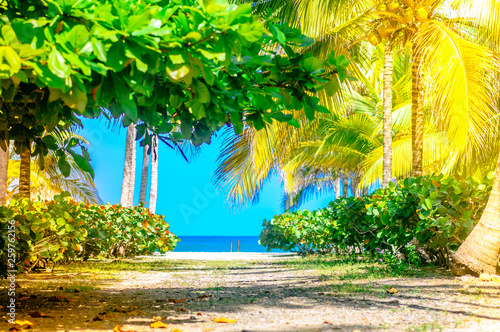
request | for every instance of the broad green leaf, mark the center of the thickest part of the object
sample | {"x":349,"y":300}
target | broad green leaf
{"x":57,"y":64}
{"x":99,"y":50}
{"x":202,"y":92}
{"x":77,"y":37}
{"x":75,"y":99}
{"x":312,"y":64}
{"x":64,"y":166}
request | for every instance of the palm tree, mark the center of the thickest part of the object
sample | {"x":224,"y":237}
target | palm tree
{"x":153,"y":189}
{"x":47,"y":182}
{"x":144,"y":174}
{"x":128,"y":182}
{"x":25,"y":173}
{"x":387,"y":113}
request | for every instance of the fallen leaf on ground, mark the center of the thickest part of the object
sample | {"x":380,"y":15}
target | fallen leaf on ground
{"x":137,"y":312}
{"x":60,"y":298}
{"x":199,"y":314}
{"x":158,"y":325}
{"x":157,"y":318}
{"x":120,"y":309}
{"x":224,"y":320}
{"x":22,"y":322}
{"x":182,"y":309}
{"x":114,"y":315}
{"x":98,"y":318}
{"x":327,"y":322}
{"x":392,"y":290}
{"x":177,"y":300}
{"x":39,"y":314}
{"x":209,"y":329}
{"x":23,"y":298}
{"x":176,"y":330}
{"x":119,"y":329}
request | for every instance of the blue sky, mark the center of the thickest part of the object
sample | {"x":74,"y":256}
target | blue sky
{"x":186,"y":195}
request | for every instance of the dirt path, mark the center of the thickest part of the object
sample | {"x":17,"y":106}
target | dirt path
{"x":263,"y":295}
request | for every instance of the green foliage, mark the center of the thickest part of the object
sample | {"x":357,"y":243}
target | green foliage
{"x":114,"y":230}
{"x":438,"y":211}
{"x":196,"y":65}
{"x":62,"y":229}
{"x":302,"y":231}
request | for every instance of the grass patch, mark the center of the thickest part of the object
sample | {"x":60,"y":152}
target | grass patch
{"x":357,"y":267}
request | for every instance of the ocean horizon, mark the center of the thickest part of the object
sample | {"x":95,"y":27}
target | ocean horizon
{"x":191,"y":243}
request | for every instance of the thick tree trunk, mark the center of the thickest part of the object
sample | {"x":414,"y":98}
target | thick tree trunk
{"x":144,"y":175}
{"x":153,"y":189}
{"x":4,"y":166}
{"x":417,"y":116}
{"x":336,"y":187}
{"x":25,"y":174}
{"x":128,"y":183}
{"x":479,"y":252}
{"x":345,"y":185}
{"x":387,"y":110}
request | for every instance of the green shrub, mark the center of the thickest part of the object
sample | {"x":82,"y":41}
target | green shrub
{"x":60,"y":230}
{"x":436,"y":210}
{"x":114,"y":230}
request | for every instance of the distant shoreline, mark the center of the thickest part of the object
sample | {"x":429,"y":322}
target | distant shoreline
{"x":222,"y":256}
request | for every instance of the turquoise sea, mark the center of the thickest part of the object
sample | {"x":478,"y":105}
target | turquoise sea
{"x":219,"y":244}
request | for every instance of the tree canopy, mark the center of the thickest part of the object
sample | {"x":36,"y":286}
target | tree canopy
{"x":195,"y":65}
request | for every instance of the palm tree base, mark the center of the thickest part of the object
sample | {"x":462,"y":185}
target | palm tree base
{"x":478,"y":253}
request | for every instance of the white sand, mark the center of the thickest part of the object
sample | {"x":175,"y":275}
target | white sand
{"x":224,"y":256}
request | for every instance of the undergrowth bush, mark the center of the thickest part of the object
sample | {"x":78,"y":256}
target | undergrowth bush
{"x":433,"y":213}
{"x":48,"y":232}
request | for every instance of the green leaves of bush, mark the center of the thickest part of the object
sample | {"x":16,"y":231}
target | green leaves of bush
{"x":438,"y":211}
{"x":62,"y":229}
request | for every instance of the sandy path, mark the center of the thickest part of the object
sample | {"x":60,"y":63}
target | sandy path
{"x":262,"y":296}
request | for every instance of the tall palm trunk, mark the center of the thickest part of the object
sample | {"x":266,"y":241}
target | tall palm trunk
{"x":345,"y":185}
{"x":25,"y":174}
{"x":153,"y":189}
{"x":336,"y":187}
{"x":387,"y":110}
{"x":479,"y":252}
{"x":128,"y":182}
{"x":144,"y":175}
{"x":356,"y":179}
{"x":417,"y":115}
{"x":4,"y":166}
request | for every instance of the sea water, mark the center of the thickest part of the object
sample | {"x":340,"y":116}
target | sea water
{"x":219,"y":244}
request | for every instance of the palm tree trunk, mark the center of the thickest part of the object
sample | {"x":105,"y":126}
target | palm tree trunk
{"x":153,"y":189}
{"x":25,"y":174}
{"x":479,"y":252}
{"x":345,"y":185}
{"x":336,"y":187}
{"x":387,"y":111}
{"x":128,"y":182}
{"x":354,"y":185}
{"x":4,"y":166}
{"x":144,"y":176}
{"x":417,"y":116}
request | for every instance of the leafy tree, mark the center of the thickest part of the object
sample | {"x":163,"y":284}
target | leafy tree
{"x":48,"y":181}
{"x":195,"y":65}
